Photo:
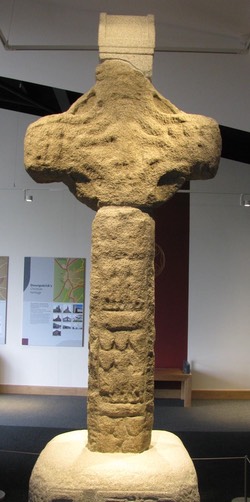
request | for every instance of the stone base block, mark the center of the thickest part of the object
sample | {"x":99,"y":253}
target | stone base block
{"x":67,"y":471}
{"x":241,"y":499}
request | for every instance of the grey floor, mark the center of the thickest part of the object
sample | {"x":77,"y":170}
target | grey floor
{"x":215,"y":433}
{"x":70,"y":412}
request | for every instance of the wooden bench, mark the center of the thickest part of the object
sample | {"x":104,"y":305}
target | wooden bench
{"x":176,"y":375}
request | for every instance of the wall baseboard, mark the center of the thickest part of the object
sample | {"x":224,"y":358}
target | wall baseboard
{"x":237,"y":394}
{"x":202,"y":394}
{"x":41,"y":390}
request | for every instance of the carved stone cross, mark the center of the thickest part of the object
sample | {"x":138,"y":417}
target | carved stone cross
{"x":122,"y":149}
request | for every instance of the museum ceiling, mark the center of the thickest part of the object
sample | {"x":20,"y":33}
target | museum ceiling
{"x":193,"y":25}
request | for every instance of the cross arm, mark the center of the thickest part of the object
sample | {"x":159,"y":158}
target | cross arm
{"x":122,"y":143}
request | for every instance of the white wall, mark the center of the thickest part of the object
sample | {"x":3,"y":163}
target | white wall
{"x":54,"y":224}
{"x":214,"y":85}
{"x":219,"y":284}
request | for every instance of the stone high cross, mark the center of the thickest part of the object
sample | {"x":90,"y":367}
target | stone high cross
{"x":122,"y":149}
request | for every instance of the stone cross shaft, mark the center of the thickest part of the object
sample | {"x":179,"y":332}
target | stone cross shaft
{"x":121,"y":354}
{"x":122,"y":149}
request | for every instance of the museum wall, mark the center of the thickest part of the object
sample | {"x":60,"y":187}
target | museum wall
{"x":56,"y":224}
{"x":171,"y":281}
{"x":219,"y":280}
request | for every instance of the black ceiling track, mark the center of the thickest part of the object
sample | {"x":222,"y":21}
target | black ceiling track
{"x":235,"y":144}
{"x":40,"y":100}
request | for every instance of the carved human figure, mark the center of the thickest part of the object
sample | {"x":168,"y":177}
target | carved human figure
{"x":122,"y":149}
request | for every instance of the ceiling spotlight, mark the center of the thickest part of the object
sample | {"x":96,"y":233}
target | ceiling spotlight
{"x":28,"y":197}
{"x":245,"y":199}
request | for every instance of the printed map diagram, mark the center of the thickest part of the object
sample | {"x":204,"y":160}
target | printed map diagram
{"x":53,"y":301}
{"x":69,"y":278}
{"x":3,"y":277}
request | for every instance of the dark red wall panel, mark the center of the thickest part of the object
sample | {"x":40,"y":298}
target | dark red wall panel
{"x":171,"y":283}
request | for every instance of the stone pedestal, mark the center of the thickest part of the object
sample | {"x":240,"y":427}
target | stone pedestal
{"x":67,"y":471}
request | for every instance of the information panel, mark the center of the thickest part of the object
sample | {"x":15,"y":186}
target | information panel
{"x":4,"y":266}
{"x":53,"y":301}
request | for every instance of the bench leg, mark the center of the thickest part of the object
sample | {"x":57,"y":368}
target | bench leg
{"x":186,"y":390}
